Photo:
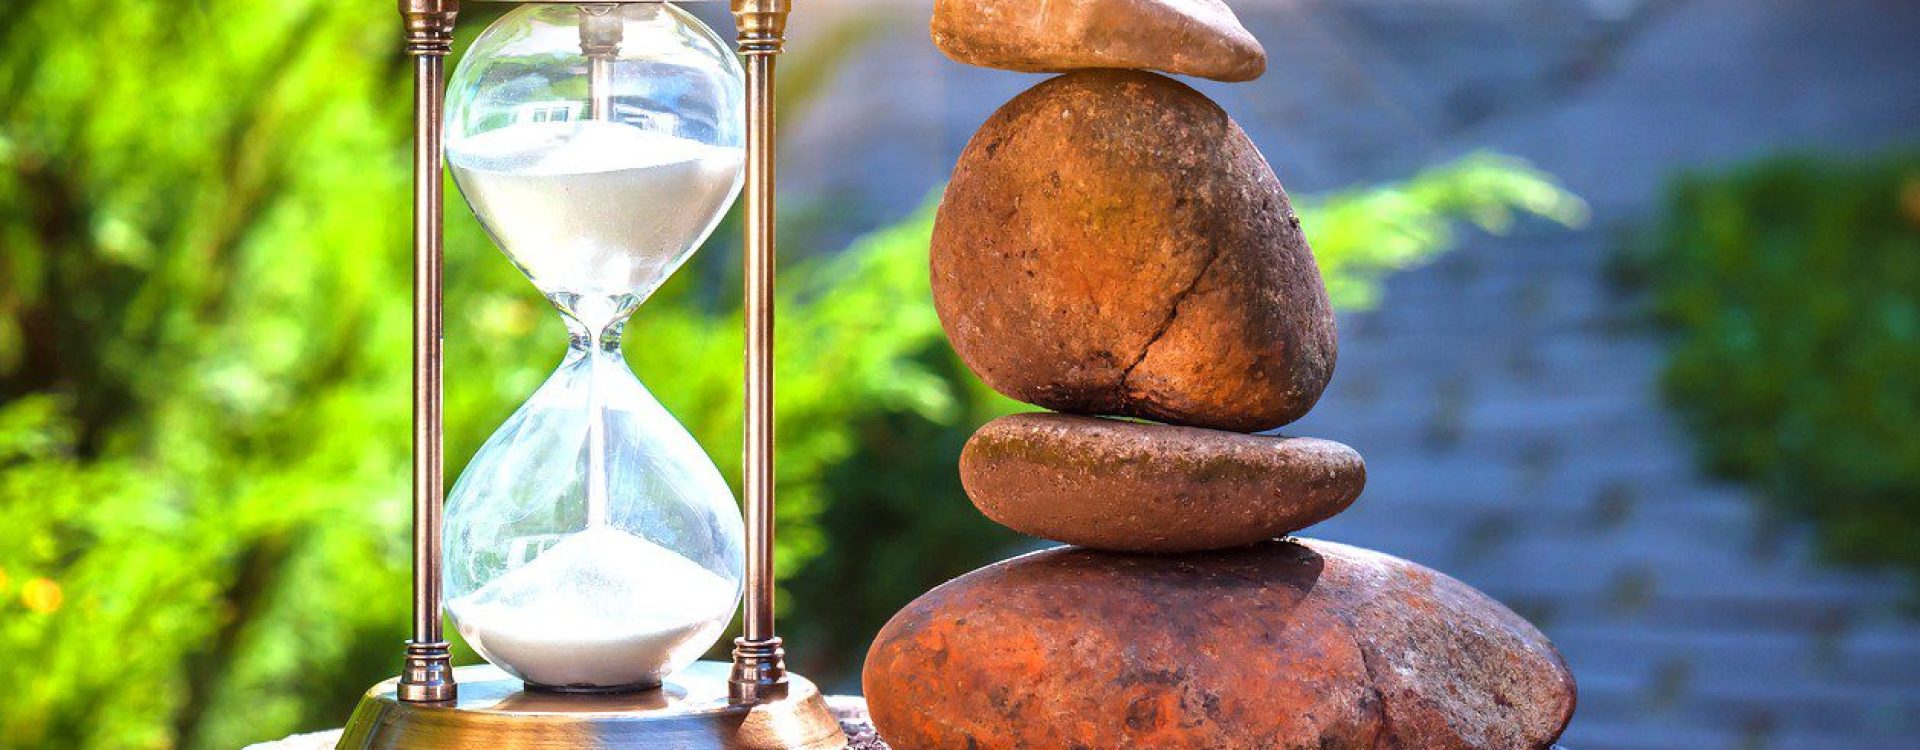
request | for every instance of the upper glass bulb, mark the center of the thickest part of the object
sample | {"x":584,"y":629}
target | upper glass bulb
{"x":565,"y":123}
{"x":591,"y":544}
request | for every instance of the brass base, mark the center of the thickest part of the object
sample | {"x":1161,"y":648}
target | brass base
{"x":690,"y":712}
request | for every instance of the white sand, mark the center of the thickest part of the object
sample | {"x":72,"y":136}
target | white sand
{"x":593,"y":207}
{"x":602,"y":608}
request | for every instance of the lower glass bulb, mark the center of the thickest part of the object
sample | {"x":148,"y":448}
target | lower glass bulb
{"x":592,"y":548}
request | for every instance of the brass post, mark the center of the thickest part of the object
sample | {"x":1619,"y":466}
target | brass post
{"x":759,"y":666}
{"x":428,"y":674}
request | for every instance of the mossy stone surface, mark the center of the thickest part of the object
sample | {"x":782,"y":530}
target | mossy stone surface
{"x":1128,"y":486}
{"x":1113,"y":244}
{"x":1296,"y":645}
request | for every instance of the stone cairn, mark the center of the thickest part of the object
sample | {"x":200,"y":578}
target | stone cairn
{"x":1113,"y":245}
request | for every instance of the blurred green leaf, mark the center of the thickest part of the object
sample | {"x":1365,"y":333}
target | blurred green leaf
{"x":1792,"y":288}
{"x":1361,"y":235}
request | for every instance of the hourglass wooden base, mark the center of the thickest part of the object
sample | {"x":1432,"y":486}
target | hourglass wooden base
{"x":689,"y":712}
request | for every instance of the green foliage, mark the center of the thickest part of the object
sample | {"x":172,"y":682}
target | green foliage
{"x":1792,"y":287}
{"x":204,"y":337}
{"x":198,"y":252}
{"x":1361,"y":235}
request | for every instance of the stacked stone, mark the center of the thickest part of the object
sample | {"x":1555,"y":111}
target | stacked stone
{"x":1113,"y":245}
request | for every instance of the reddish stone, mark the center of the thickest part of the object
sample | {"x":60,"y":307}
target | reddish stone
{"x":1189,"y":37}
{"x":1112,"y":243}
{"x":1278,"y":646}
{"x":1127,"y":486}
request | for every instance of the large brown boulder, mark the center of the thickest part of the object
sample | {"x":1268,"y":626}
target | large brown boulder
{"x":1128,"y":486}
{"x":1189,"y":37}
{"x":1112,"y":243}
{"x":1277,"y":646}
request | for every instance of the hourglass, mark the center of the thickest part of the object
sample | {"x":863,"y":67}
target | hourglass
{"x":591,"y":545}
{"x":590,"y":551}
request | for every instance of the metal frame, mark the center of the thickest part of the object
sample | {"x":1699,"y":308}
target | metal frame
{"x":759,"y":672}
{"x":759,"y":660}
{"x":428,"y":674}
{"x":691,"y":711}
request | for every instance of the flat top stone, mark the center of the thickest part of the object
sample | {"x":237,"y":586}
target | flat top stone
{"x":1187,"y":37}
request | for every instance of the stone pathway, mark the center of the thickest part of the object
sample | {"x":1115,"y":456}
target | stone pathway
{"x":1514,"y":440}
{"x":1504,"y":397}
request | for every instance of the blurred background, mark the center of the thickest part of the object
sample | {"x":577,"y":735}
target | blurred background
{"x":1630,"y":340}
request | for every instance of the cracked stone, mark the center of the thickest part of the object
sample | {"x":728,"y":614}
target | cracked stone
{"x":1277,"y":646}
{"x":1188,"y":37}
{"x":1127,"y":486}
{"x":1112,"y":243}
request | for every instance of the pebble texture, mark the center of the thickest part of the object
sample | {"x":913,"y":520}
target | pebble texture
{"x":1112,"y":243}
{"x":1189,"y":37}
{"x":1127,"y":486}
{"x":1278,"y":646}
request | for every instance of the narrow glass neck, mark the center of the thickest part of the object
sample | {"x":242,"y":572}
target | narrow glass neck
{"x":585,"y":340}
{"x":595,"y":323}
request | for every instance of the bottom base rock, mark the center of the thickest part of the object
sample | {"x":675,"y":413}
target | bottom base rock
{"x":1282,"y":645}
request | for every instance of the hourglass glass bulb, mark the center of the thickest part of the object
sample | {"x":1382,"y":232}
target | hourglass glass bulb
{"x":603,"y":191}
{"x":591,"y":544}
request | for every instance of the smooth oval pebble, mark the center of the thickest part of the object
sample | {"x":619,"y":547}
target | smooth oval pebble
{"x":1188,"y":37}
{"x":1112,"y":243}
{"x":1277,"y":646}
{"x":1127,"y":486}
